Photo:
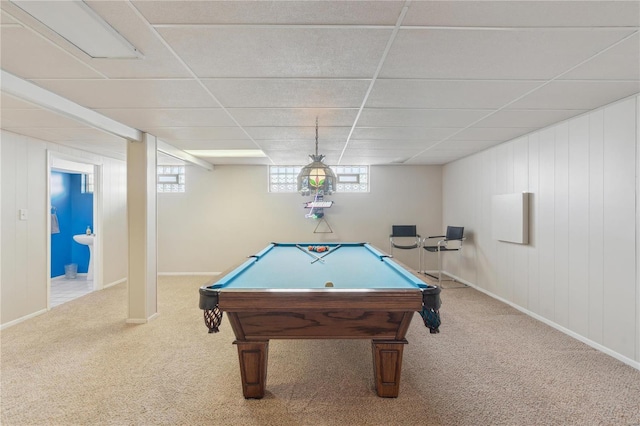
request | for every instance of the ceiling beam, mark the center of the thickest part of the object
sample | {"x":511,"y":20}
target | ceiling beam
{"x":36,"y":95}
{"x":174,"y":152}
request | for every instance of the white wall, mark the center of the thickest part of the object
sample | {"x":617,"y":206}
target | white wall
{"x":24,"y":243}
{"x":227,"y":214}
{"x":579,"y":270}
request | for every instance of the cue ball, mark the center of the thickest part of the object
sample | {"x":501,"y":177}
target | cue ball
{"x":328,"y":284}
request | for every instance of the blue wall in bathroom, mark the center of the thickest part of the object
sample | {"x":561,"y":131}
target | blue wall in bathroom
{"x":75,"y":212}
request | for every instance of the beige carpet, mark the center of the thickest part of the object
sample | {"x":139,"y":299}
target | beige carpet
{"x":80,"y":364}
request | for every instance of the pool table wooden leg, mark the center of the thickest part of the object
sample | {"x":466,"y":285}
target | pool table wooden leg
{"x":253,"y":367}
{"x":387,"y":365}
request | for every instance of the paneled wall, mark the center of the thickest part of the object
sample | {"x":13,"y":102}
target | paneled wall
{"x":579,"y":270}
{"x":23,"y":245}
{"x":228,"y":214}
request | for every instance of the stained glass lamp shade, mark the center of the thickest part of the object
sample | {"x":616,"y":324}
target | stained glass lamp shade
{"x":316,"y":178}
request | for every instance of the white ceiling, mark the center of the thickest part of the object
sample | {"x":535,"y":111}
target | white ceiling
{"x":413,"y":82}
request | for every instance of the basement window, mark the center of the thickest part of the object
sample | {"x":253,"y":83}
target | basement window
{"x":86,"y":183}
{"x":349,"y":178}
{"x":170,"y":179}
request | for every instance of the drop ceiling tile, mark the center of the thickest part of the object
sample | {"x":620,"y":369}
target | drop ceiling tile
{"x":278,"y":52}
{"x":501,"y":134}
{"x":430,"y":159}
{"x":166,"y":160}
{"x":214,"y":144}
{"x":294,"y":117}
{"x":524,"y":13}
{"x":585,"y":95}
{"x":287,"y":158}
{"x":273,"y":12}
{"x":302,"y":147}
{"x":621,"y":62}
{"x":464,"y":146}
{"x":198,"y":133}
{"x":298,"y":133}
{"x":373,"y":160}
{"x":389,"y":144}
{"x":288,"y":93}
{"x":29,"y":56}
{"x":294,"y":158}
{"x":159,"y":93}
{"x":386,"y":117}
{"x":237,"y":161}
{"x":467,"y":94}
{"x":387,"y":153}
{"x":527,"y":117}
{"x":402,"y":133}
{"x":147,"y":118}
{"x":493,"y":54}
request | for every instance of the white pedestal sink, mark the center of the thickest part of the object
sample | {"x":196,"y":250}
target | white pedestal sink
{"x":87,"y":240}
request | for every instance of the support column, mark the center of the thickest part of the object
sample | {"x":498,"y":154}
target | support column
{"x":141,"y":217}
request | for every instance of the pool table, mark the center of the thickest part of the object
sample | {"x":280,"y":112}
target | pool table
{"x":327,"y":291}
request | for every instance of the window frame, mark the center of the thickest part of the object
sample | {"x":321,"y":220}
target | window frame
{"x":167,"y":170}
{"x":289,"y":178}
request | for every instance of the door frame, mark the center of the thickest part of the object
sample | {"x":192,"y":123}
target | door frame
{"x":57,"y":161}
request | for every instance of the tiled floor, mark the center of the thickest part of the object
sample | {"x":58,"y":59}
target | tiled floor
{"x":63,"y":290}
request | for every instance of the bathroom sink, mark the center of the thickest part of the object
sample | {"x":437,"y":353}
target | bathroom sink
{"x":85,"y":239}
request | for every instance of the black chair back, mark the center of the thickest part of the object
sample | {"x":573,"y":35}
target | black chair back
{"x":455,"y":232}
{"x":403,"y":231}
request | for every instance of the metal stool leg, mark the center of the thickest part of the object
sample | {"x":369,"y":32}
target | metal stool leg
{"x":439,"y":267}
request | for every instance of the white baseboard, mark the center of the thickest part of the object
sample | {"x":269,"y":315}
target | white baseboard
{"x":111,"y":284}
{"x":24,"y":318}
{"x":630,"y":362}
{"x":141,"y":320}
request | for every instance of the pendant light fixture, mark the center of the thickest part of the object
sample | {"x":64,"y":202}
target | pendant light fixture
{"x":316,"y":178}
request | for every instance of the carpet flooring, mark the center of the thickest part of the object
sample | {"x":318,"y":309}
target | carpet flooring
{"x":81,"y":364}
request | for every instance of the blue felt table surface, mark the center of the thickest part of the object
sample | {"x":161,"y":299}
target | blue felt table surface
{"x":349,"y":266}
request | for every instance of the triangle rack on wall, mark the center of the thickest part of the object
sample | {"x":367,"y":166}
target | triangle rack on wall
{"x":323,"y":227}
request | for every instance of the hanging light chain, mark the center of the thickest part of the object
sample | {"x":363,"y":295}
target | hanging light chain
{"x":316,"y":136}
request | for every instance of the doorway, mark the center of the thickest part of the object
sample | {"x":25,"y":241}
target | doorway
{"x":73,"y":243}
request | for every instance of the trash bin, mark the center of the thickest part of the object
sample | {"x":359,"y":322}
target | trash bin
{"x":71,"y":271}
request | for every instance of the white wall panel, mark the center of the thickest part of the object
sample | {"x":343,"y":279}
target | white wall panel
{"x":580,"y":266}
{"x":546,"y":222}
{"x":24,"y":243}
{"x":619,"y":226}
{"x":9,"y":229}
{"x":578,"y":274}
{"x":503,"y":185}
{"x":534,"y":220}
{"x":595,"y":267}
{"x":520,"y":252}
{"x":460,"y":262}
{"x":36,"y":236}
{"x":561,"y":223}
